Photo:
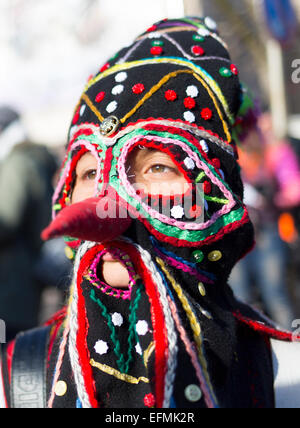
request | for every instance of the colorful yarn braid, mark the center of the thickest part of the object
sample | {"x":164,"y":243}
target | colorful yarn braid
{"x":78,"y":352}
{"x":196,"y":329}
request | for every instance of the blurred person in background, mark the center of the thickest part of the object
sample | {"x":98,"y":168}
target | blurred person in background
{"x":271,"y":175}
{"x":26,"y":173}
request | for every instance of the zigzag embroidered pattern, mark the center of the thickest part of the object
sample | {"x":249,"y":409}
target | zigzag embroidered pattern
{"x":168,"y":60}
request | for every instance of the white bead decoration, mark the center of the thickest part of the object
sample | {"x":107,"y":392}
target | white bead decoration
{"x":101,"y":347}
{"x":142,"y":328}
{"x":117,"y":319}
{"x":177,"y":211}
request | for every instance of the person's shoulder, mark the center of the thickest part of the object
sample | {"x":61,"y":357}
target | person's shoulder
{"x":23,"y":360}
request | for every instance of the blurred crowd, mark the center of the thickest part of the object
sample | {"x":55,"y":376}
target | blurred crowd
{"x":269,"y":276}
{"x":34,"y":275}
{"x":30,"y":270}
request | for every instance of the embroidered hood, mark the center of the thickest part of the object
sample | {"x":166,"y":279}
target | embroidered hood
{"x":174,"y":90}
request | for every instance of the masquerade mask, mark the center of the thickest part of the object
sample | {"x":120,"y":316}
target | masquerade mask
{"x":173,"y":92}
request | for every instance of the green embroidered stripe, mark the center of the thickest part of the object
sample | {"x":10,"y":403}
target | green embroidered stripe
{"x":200,"y":176}
{"x":123,"y":365}
{"x":217,"y":200}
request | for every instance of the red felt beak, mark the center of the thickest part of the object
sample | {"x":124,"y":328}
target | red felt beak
{"x":95,"y":219}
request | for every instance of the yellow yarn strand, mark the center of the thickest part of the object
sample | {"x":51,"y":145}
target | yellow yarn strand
{"x":195,"y":326}
{"x":225,"y":126}
{"x":115,"y":373}
{"x":147,"y":354}
{"x":152,"y":91}
{"x":163,"y":81}
{"x":86,"y":99}
{"x":128,"y":65}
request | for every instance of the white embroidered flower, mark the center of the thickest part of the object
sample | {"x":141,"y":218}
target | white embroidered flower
{"x":177,"y":211}
{"x":192,"y":91}
{"x":154,"y":35}
{"x":73,"y":130}
{"x":117,"y":319}
{"x":101,"y":347}
{"x":117,"y":90}
{"x":142,"y":328}
{"x":121,"y":77}
{"x":204,"y":146}
{"x":203,"y":32}
{"x":112,"y":107}
{"x":189,"y":116}
{"x":138,"y":349}
{"x":211,"y":23}
{"x":189,"y":163}
{"x":82,"y":109}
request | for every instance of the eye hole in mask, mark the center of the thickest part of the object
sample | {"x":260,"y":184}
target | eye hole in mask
{"x":168,"y":181}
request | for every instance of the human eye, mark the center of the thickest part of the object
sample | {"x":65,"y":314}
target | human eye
{"x":160,"y":169}
{"x":89,"y":174}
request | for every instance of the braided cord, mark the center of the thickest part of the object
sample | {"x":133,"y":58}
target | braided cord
{"x":195,"y":326}
{"x":171,"y":331}
{"x":73,"y":320}
{"x":133,"y":334}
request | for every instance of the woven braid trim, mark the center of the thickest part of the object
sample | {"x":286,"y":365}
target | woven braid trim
{"x":195,"y":326}
{"x":171,"y":332}
{"x":85,"y":389}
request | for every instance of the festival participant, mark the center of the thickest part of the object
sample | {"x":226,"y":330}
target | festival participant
{"x":151,"y":202}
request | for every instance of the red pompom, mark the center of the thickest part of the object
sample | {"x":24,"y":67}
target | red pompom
{"x":171,"y":95}
{"x":100,"y":97}
{"x":156,"y":50}
{"x":189,"y":103}
{"x":195,"y":211}
{"x":207,"y":187}
{"x":138,"y":88}
{"x":149,"y":400}
{"x":234,"y":69}
{"x":206,"y":114}
{"x":198,"y":50}
{"x":104,"y":67}
{"x":76,"y":116}
{"x":153,"y":28}
{"x":216,"y":163}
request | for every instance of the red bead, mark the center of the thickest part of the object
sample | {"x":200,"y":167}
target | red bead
{"x":153,"y":28}
{"x":76,"y":117}
{"x":216,"y":163}
{"x":149,"y":400}
{"x":138,"y":88}
{"x":189,"y":103}
{"x":198,"y":50}
{"x":207,"y":187}
{"x":105,"y":67}
{"x":156,"y":50}
{"x":195,"y":211}
{"x":206,"y":114}
{"x":234,"y":69}
{"x":171,"y":95}
{"x":100,"y":97}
